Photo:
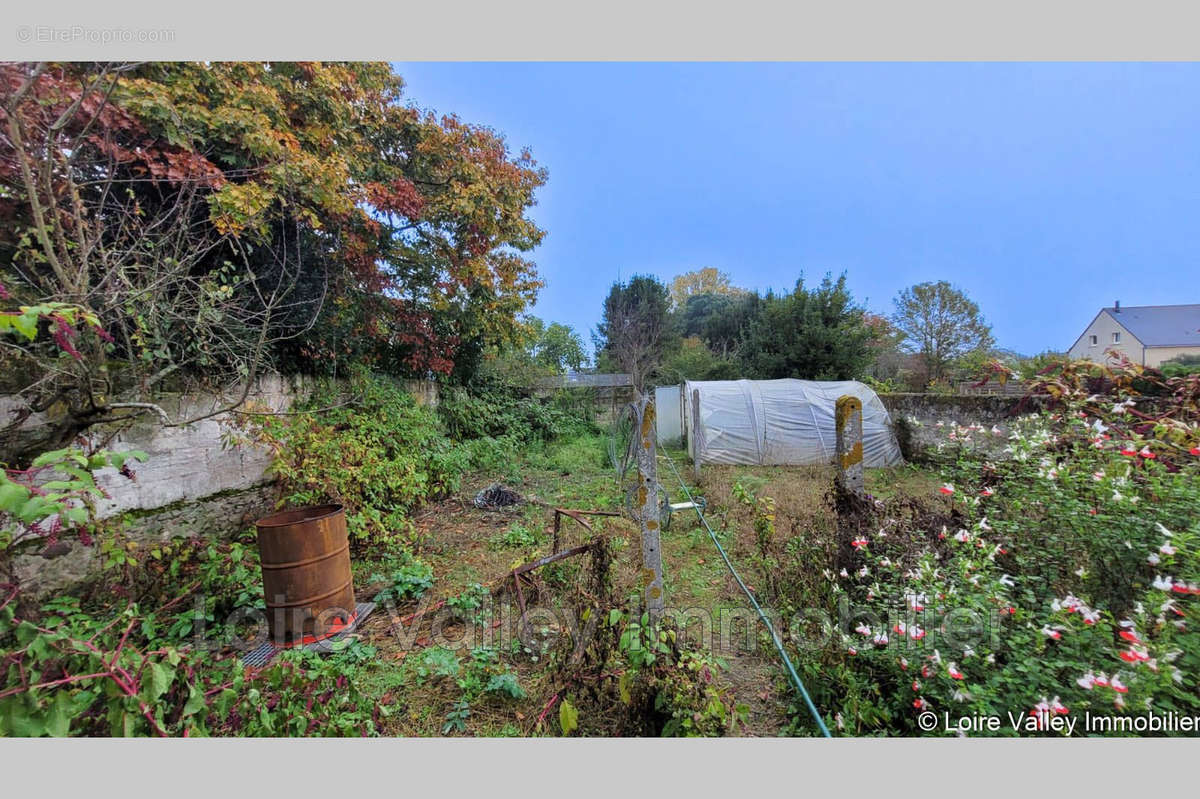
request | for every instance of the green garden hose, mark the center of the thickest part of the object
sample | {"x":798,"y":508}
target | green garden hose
{"x":791,"y":670}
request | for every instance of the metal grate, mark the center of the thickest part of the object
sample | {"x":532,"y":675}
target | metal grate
{"x":265,"y":652}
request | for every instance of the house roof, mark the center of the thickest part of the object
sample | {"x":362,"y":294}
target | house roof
{"x":1160,"y":325}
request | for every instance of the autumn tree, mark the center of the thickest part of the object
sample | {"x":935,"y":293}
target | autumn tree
{"x":205,"y":221}
{"x":813,"y":334}
{"x":708,"y":280}
{"x":940,"y":324}
{"x":636,"y":328}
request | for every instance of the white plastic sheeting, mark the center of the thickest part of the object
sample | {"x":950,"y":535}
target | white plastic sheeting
{"x":668,"y":417}
{"x":782,"y":422}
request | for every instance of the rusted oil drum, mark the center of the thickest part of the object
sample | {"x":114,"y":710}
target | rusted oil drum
{"x":305,"y":556}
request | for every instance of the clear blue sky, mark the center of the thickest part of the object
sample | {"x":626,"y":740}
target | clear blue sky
{"x":1045,"y":191}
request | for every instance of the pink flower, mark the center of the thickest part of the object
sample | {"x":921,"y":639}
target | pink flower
{"x":1146,"y":453}
{"x":1050,"y":632}
{"x":953,"y":671}
{"x":862,"y":629}
{"x":1102,"y":680}
{"x":1118,"y":686}
{"x":1087,"y":681}
{"x":916,"y":633}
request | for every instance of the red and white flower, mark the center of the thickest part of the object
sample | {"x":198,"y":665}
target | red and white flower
{"x":1163,"y":583}
{"x":1135,"y":654}
{"x":946,"y":489}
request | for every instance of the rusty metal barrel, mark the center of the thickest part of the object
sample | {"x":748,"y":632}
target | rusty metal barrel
{"x":307,"y":584}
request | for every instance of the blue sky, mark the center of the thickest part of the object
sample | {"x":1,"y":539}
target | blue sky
{"x":1045,"y":191}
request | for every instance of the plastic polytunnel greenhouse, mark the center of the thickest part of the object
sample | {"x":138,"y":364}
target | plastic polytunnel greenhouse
{"x":776,"y":422}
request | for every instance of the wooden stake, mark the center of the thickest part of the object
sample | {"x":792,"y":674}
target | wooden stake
{"x":696,"y":433}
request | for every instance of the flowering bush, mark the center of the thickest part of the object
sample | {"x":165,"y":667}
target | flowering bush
{"x":1062,"y":578}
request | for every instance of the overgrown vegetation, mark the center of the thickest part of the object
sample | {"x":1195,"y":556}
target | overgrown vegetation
{"x":1058,"y":579}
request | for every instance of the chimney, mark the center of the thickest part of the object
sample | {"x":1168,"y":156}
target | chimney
{"x":1117,"y":306}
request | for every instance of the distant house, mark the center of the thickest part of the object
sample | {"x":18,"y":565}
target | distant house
{"x":1146,"y":334}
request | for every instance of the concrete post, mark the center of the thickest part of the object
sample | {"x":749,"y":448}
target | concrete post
{"x":647,"y":507}
{"x":850,"y":444}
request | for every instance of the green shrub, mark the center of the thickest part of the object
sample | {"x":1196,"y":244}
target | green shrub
{"x":409,"y":581}
{"x":517,"y":536}
{"x":380,"y":455}
{"x":504,"y":414}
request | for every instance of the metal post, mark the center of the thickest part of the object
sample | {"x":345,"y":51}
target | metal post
{"x":848,"y":413}
{"x":647,"y":506}
{"x":683,"y":428}
{"x":696,"y":433}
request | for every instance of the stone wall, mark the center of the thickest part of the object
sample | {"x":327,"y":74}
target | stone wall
{"x":202,"y":479}
{"x":915,"y":419}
